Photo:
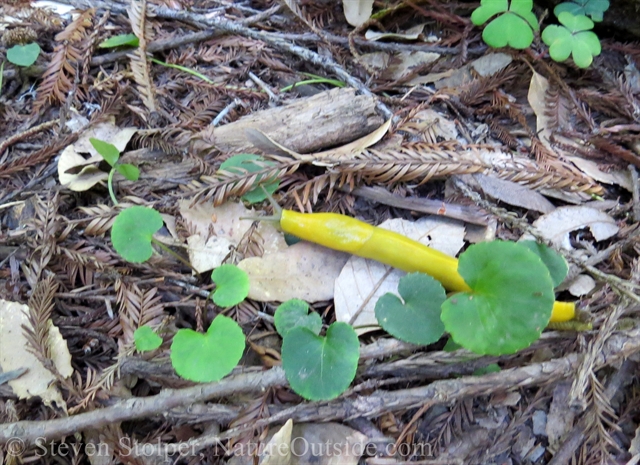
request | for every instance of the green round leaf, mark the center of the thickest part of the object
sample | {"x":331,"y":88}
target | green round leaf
{"x":146,"y":339}
{"x":555,"y":263}
{"x":294,"y":313}
{"x":119,"y":40}
{"x":575,"y":23}
{"x":106,"y":150}
{"x":248,"y":162}
{"x":488,"y":9}
{"x":508,"y":29}
{"x":23,"y":55}
{"x":417,"y":320}
{"x":510,"y":302}
{"x":232,"y":285}
{"x":132,"y":232}
{"x":593,"y":8}
{"x":523,"y":8}
{"x":581,"y":55}
{"x":208,"y":357}
{"x":132,"y":173}
{"x":320,"y":368}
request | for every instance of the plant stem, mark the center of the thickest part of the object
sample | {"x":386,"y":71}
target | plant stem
{"x":110,"y":185}
{"x":173,"y":254}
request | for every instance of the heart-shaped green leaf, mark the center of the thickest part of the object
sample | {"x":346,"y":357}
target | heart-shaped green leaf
{"x":23,"y":55}
{"x":119,"y":40}
{"x":232,"y":285}
{"x":208,"y":357}
{"x":488,"y":9}
{"x":132,"y":232}
{"x":132,"y":173}
{"x":317,"y":367}
{"x":108,"y":151}
{"x":249,"y":163}
{"x":417,"y":320}
{"x":294,"y":313}
{"x":508,"y":29}
{"x":555,"y":263}
{"x":146,"y":339}
{"x":510,"y":302}
{"x":573,"y":38}
{"x":593,"y":8}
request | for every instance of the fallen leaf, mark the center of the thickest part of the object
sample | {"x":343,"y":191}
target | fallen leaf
{"x":395,"y":66}
{"x":617,"y":177}
{"x":557,"y":225}
{"x":513,"y":193}
{"x":580,"y":285}
{"x":278,"y":450}
{"x":15,"y":354}
{"x":410,"y":34}
{"x":217,"y":229}
{"x":538,"y":87}
{"x":302,"y":271}
{"x":561,"y":416}
{"x":483,"y":66}
{"x":362,"y":282}
{"x":326,"y":444}
{"x":357,"y":12}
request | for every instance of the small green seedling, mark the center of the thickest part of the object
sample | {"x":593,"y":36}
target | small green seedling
{"x":249,"y":163}
{"x":415,"y":318}
{"x":572,"y":38}
{"x":120,"y":40}
{"x":320,"y":367}
{"x":146,"y":339}
{"x":593,"y":8}
{"x":313,"y":80}
{"x":132,"y":233}
{"x":23,"y":55}
{"x":111,"y":155}
{"x":295,"y":313}
{"x":211,"y":356}
{"x":232,"y":285}
{"x":513,"y":26}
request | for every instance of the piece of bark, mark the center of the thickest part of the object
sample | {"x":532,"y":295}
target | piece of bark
{"x":327,"y":119}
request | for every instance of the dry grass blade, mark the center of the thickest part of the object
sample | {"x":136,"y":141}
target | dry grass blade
{"x":138,"y":58}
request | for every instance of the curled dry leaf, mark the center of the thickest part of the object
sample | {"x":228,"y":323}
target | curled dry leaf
{"x":410,"y":34}
{"x":15,"y":354}
{"x":80,"y":173}
{"x":216,"y":229}
{"x":557,"y":225}
{"x":362,"y":282}
{"x":396,"y":66}
{"x":357,"y":12}
{"x":278,"y":449}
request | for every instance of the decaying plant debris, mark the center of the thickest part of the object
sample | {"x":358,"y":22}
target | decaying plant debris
{"x":569,"y":134}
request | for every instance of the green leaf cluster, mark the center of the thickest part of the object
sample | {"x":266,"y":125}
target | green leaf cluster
{"x":111,"y":155}
{"x":513,"y":24}
{"x":509,"y":304}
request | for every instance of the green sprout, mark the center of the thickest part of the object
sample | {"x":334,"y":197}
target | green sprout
{"x":513,"y":26}
{"x":146,"y":339}
{"x":593,"y":8}
{"x":232,"y":285}
{"x":120,"y":40}
{"x":111,"y":155}
{"x":245,"y":163}
{"x":23,"y":55}
{"x":211,"y":356}
{"x":572,"y":38}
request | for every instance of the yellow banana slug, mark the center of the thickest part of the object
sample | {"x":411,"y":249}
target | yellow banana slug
{"x":340,"y":232}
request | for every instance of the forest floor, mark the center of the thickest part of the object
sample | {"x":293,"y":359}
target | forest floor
{"x":422,"y":121}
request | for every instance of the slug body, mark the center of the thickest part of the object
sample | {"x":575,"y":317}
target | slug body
{"x":340,"y":232}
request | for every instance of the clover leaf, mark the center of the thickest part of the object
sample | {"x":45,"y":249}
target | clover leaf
{"x":294,"y":313}
{"x":593,"y":8}
{"x":572,"y":38}
{"x":132,"y":232}
{"x":146,"y":339}
{"x":211,"y":356}
{"x":250,"y":163}
{"x":417,"y":319}
{"x":23,"y":55}
{"x":514,"y":26}
{"x":320,"y":367}
{"x":232,"y":285}
{"x":510,"y":301}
